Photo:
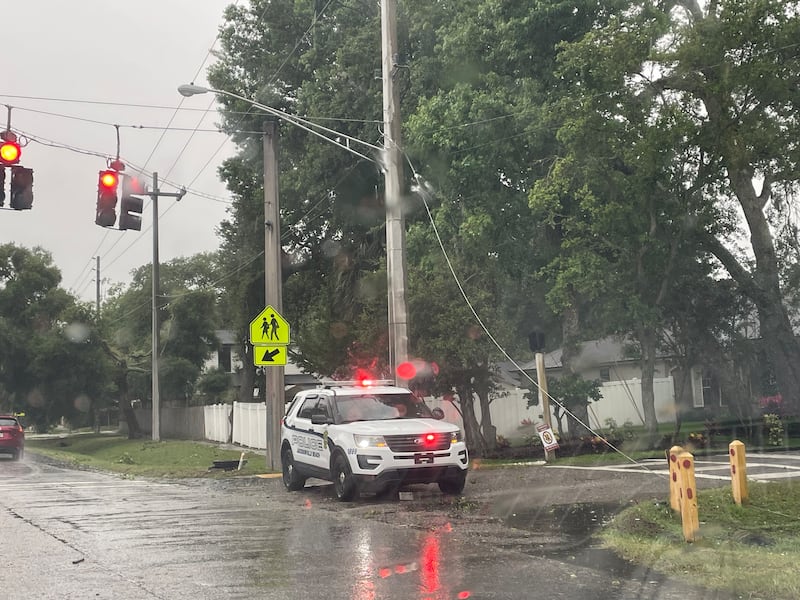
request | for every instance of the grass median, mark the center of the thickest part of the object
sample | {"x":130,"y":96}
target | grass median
{"x":146,"y":458}
{"x":751,"y":550}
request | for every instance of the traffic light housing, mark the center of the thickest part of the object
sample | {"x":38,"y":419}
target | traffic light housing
{"x":10,"y":152}
{"x":2,"y":186}
{"x":21,"y":188}
{"x":107,"y":183}
{"x":130,"y":207}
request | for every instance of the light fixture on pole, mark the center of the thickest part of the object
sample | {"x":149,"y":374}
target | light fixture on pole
{"x":391,"y":166}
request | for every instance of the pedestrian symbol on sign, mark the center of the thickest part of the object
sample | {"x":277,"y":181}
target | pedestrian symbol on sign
{"x":269,"y":327}
{"x":269,"y":330}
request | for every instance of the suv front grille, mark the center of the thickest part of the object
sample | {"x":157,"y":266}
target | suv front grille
{"x":417,"y":443}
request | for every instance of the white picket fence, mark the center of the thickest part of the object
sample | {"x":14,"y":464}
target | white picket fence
{"x":245,"y":423}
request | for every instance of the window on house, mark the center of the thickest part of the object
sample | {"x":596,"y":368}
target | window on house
{"x":711,"y":392}
{"x":225,"y":359}
{"x":697,"y":389}
{"x":605,"y":374}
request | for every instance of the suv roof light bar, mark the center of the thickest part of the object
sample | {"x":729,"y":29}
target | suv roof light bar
{"x":355,"y":382}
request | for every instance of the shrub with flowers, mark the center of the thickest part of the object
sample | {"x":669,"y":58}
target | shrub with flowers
{"x":697,"y":439}
{"x":774,"y":428}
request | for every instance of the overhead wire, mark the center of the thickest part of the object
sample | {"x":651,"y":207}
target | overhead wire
{"x":274,"y":76}
{"x":423,"y":192}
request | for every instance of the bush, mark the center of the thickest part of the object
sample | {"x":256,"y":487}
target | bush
{"x":774,"y":429}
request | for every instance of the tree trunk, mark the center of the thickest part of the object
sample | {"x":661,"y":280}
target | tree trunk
{"x":570,"y":326}
{"x":248,"y":374}
{"x":134,"y":431}
{"x":647,"y":340}
{"x":762,"y":286}
{"x":488,"y":430}
{"x":776,"y":329}
{"x":475,"y":441}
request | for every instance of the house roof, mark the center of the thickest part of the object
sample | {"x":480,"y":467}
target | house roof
{"x":593,"y":353}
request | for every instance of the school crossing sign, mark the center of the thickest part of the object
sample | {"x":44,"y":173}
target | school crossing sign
{"x":269,"y":334}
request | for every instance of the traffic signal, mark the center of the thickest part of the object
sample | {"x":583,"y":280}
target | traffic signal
{"x":21,"y":188}
{"x":130,"y":206}
{"x":10,"y":153}
{"x":107,"y":183}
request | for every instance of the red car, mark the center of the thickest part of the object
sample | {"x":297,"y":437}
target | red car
{"x":12,"y":436}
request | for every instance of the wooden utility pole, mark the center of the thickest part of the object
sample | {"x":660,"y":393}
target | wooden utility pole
{"x":274,"y":376}
{"x":156,"y":410}
{"x":393,"y":165}
{"x":544,"y":398}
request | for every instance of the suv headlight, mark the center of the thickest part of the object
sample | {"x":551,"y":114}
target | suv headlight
{"x":369,"y":441}
{"x":457,"y":436}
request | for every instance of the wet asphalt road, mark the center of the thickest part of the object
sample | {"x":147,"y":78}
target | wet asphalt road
{"x":70,"y":534}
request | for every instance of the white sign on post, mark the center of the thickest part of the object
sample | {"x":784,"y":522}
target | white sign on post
{"x":547,"y":436}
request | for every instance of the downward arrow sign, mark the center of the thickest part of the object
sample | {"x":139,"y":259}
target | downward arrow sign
{"x":270,"y":354}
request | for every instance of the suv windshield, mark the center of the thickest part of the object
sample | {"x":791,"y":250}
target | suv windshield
{"x":377,"y":407}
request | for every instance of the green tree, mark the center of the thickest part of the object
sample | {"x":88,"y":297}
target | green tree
{"x":718,"y":85}
{"x":188,"y":316}
{"x":572,"y":394}
{"x":51,"y":360}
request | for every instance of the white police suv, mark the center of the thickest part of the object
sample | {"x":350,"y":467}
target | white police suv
{"x":370,"y":438}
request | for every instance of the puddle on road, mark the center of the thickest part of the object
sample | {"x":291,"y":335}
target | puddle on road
{"x":576,"y":521}
{"x":575,"y":525}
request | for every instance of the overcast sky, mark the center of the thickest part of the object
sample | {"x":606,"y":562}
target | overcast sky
{"x":71,"y":71}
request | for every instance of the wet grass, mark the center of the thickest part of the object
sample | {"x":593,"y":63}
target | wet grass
{"x":750,"y":550}
{"x":118,"y":454}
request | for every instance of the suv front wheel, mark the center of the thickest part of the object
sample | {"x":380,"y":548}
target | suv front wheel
{"x":345,"y":485}
{"x":453,"y":485}
{"x":291,"y":478}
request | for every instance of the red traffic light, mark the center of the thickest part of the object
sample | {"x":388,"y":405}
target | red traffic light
{"x":10,"y":153}
{"x":108,"y":180}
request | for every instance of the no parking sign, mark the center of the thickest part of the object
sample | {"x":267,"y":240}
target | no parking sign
{"x":547,"y":436}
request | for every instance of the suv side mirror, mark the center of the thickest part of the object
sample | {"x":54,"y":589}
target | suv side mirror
{"x":320,"y":419}
{"x":437,"y":413}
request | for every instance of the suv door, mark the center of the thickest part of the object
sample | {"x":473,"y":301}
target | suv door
{"x":309,"y":440}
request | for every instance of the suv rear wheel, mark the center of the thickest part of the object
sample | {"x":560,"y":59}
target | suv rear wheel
{"x":344,"y":484}
{"x":291,"y":478}
{"x":453,"y":485}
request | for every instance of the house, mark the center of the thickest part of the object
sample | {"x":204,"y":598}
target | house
{"x":613,"y":363}
{"x":227,"y":357}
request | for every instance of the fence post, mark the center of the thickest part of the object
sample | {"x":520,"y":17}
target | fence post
{"x":688,"y":497}
{"x":674,"y":483}
{"x":738,"y":471}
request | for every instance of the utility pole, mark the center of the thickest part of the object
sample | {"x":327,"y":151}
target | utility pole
{"x":544,"y":398}
{"x":273,"y":296}
{"x":395,"y":222}
{"x":156,"y":410}
{"x":97,"y":285}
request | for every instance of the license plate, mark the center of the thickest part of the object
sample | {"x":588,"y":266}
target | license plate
{"x":421,"y":458}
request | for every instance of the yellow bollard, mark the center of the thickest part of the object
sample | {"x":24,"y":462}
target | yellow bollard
{"x":688,"y":497}
{"x":674,"y":484}
{"x":738,"y":471}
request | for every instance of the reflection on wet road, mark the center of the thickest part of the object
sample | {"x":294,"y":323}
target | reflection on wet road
{"x":77,"y":534}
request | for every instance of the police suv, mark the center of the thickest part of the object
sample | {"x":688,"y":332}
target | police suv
{"x":370,"y":438}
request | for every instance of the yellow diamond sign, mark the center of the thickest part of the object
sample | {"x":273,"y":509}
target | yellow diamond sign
{"x":269,"y":328}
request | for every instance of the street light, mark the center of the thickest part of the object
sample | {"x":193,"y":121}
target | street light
{"x":190,"y":89}
{"x":391,"y":166}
